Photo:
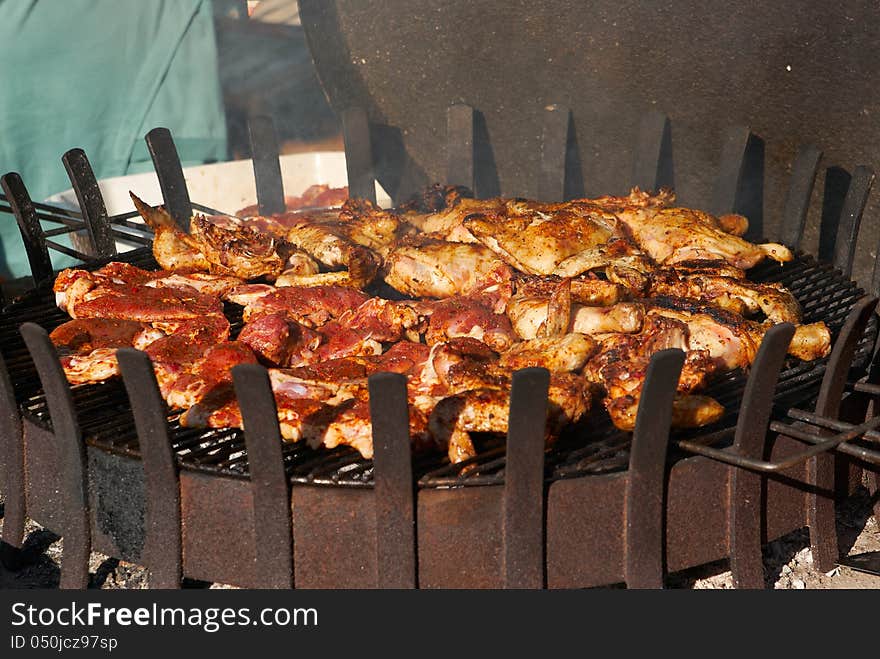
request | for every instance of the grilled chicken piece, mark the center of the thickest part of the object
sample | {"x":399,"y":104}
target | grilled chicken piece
{"x":440,"y":211}
{"x":558,"y":354}
{"x":440,"y":269}
{"x":83,"y":335}
{"x":209,"y":376}
{"x":777,"y":304}
{"x":528,"y":316}
{"x":536,"y":242}
{"x":621,"y":260}
{"x":670,"y":235}
{"x":622,"y":362}
{"x":88,"y":346}
{"x":732,"y":341}
{"x":487,"y":410}
{"x":383,"y":320}
{"x":585,"y":289}
{"x":330,"y":248}
{"x":171,"y":248}
{"x":68,"y":288}
{"x":688,"y":411}
{"x":220,"y":244}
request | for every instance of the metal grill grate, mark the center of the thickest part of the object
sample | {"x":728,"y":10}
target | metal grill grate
{"x":594,"y":446}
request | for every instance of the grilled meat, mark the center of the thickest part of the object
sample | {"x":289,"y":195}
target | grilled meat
{"x":440,"y":269}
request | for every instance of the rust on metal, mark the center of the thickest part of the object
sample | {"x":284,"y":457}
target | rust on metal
{"x":746,"y":561}
{"x":162,"y":542}
{"x":72,"y":457}
{"x":12,"y":462}
{"x":646,"y":479}
{"x":821,"y":469}
{"x":392,"y":482}
{"x":271,"y":490}
{"x":523,"y":528}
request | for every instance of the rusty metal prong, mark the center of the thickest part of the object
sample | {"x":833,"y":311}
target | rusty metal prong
{"x":739,"y":187}
{"x":393,"y":485}
{"x":163,"y":542}
{"x":35,"y":245}
{"x":358,"y":154}
{"x":91,"y":203}
{"x":554,"y":144}
{"x":269,"y":482}
{"x":797,"y":199}
{"x":460,"y":145}
{"x":166,"y":162}
{"x":750,"y":441}
{"x":267,"y":167}
{"x":72,"y":454}
{"x":821,"y":468}
{"x":522,"y":550}
{"x":851,"y":218}
{"x":837,"y":442}
{"x":653,"y":166}
{"x":644,"y":562}
{"x":834,"y":191}
{"x":12,"y":461}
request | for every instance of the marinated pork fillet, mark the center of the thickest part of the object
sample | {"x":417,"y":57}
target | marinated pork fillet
{"x":310,"y":305}
{"x":88,"y":346}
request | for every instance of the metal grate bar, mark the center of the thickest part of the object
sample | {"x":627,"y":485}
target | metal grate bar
{"x":554,"y":143}
{"x":851,"y":217}
{"x":91,"y":202}
{"x":644,"y":564}
{"x":269,"y":484}
{"x":653,"y":166}
{"x":12,"y":459}
{"x":358,"y":154}
{"x":836,"y":185}
{"x":163,"y":542}
{"x":267,"y":167}
{"x":800,"y":190}
{"x":739,"y":187}
{"x":166,"y":161}
{"x":522,"y":545}
{"x":72,"y":453}
{"x":460,"y":145}
{"x":393,"y":482}
{"x":29,"y":226}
